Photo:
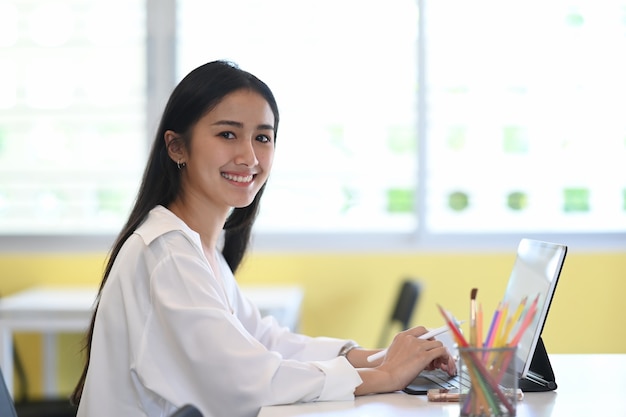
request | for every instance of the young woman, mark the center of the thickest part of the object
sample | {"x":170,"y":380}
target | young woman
{"x":171,"y":326}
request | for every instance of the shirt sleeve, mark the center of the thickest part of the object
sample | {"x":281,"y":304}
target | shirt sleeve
{"x":195,"y":349}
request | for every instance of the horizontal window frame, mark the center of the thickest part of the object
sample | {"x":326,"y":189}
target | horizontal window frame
{"x":339,"y":243}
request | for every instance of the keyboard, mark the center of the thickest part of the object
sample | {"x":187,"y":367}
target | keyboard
{"x":448,"y":382}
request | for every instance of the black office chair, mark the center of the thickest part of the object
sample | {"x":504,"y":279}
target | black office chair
{"x":6,"y":402}
{"x":402,"y":313}
{"x":187,"y":410}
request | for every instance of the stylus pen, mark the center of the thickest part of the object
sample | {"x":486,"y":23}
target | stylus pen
{"x":427,"y":335}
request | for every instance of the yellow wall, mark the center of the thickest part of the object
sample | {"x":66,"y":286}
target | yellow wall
{"x":351,"y":295}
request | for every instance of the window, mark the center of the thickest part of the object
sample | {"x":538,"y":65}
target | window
{"x":411,"y":122}
{"x":346,"y":86}
{"x":72,"y":114}
{"x":525,"y":127}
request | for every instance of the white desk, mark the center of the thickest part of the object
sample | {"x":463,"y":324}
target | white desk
{"x":583,"y":391}
{"x":54,"y":310}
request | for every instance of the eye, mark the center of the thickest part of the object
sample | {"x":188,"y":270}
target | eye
{"x":263,"y":138}
{"x":227,"y":135}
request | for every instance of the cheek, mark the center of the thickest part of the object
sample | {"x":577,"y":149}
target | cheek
{"x":266,"y":158}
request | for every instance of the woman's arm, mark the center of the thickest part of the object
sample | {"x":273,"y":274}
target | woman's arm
{"x":358,"y":357}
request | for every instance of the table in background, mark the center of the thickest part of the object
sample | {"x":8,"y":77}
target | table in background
{"x":588,"y":385}
{"x":54,"y":310}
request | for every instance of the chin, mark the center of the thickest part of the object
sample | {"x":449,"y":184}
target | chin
{"x":242,"y":200}
{"x":242,"y":204}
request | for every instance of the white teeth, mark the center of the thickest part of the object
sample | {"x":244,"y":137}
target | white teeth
{"x":238,"y":178}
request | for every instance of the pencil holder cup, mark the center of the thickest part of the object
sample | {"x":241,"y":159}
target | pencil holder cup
{"x":489,"y":382}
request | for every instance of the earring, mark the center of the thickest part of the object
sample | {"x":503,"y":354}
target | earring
{"x":181,"y":165}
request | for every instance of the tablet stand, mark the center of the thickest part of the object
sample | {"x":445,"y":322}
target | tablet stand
{"x":540,"y":375}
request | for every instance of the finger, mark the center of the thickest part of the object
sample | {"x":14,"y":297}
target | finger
{"x":451,"y":365}
{"x":429,"y":344}
{"x":446,"y":363}
{"x":416,"y":331}
{"x":433,"y":353}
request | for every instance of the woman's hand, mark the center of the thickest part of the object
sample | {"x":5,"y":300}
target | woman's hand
{"x":448,"y":365}
{"x":406,"y":357}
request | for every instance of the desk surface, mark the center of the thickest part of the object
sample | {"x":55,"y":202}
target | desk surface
{"x":583,"y":390}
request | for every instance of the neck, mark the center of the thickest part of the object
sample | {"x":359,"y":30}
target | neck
{"x":206,"y":221}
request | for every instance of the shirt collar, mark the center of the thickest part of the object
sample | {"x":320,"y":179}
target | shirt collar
{"x":161,"y":221}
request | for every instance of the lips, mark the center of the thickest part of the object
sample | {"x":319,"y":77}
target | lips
{"x":238,"y":178}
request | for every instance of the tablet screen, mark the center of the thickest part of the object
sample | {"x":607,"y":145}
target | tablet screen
{"x":535,"y":273}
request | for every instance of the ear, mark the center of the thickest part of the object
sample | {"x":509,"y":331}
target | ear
{"x":175,"y":146}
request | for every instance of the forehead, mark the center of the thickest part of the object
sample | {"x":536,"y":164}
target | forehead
{"x":243,"y":105}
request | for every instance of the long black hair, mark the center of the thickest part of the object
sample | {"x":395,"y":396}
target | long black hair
{"x":198,"y":93}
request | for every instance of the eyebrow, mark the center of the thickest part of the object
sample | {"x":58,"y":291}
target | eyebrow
{"x":240,"y":125}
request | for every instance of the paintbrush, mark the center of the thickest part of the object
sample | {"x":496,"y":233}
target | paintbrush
{"x":473,"y":340}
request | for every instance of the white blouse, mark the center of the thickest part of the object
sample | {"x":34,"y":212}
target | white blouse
{"x":169,"y":331}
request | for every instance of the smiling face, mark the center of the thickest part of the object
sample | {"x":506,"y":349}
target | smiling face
{"x":230,"y":153}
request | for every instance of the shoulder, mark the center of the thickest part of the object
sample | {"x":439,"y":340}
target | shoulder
{"x":160,"y":236}
{"x":160,"y":222}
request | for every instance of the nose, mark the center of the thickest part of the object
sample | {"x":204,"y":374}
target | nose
{"x":246,"y":154}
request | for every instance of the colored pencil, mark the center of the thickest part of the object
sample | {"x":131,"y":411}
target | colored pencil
{"x":528,"y":318}
{"x":513,"y":321}
{"x":479,"y":324}
{"x":495,"y":321}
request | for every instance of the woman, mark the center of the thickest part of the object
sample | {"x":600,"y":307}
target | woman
{"x":171,"y":325}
